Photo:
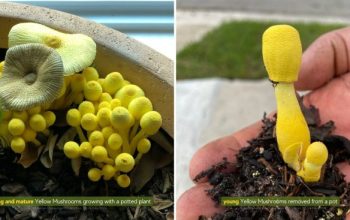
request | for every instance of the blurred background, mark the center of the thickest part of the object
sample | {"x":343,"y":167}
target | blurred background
{"x":148,"y":21}
{"x":221,"y":80}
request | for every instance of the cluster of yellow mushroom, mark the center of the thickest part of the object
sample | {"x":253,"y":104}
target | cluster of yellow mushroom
{"x":19,"y":128}
{"x":113,"y":119}
{"x":282,"y":58}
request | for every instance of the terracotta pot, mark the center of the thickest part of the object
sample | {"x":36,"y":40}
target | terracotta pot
{"x":138,"y":63}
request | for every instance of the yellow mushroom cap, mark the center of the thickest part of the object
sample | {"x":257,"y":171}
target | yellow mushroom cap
{"x":139,"y":106}
{"x":86,"y":107}
{"x":34,"y":110}
{"x":50,"y":118}
{"x":125,"y":162}
{"x":90,"y":74}
{"x":144,"y":146}
{"x":123,"y":180}
{"x":16,"y":127}
{"x":85,"y":149}
{"x":104,"y":104}
{"x":151,"y":122}
{"x":23,"y":115}
{"x":79,"y":98}
{"x":121,"y":118}
{"x":115,"y":141}
{"x":92,"y":91}
{"x":94,"y":174}
{"x":77,"y":83}
{"x":105,"y":97}
{"x":96,"y":138}
{"x":107,"y":132}
{"x":73,"y":117}
{"x":103,"y":117}
{"x":115,"y":103}
{"x":282,"y":52}
{"x":89,"y":122}
{"x":108,"y":171}
{"x":99,"y":154}
{"x":37,"y":122}
{"x":113,"y":82}
{"x":71,"y":150}
{"x":317,"y":153}
{"x":76,"y":50}
{"x":29,"y":135}
{"x":18,"y":144}
{"x":128,"y":93}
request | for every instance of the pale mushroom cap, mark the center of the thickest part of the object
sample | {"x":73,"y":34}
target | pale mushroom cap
{"x":77,"y":51}
{"x":32,"y":76}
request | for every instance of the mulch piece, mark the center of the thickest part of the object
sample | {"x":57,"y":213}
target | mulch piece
{"x":260,"y":171}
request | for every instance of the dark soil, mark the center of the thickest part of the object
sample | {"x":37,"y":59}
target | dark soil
{"x":260,"y":171}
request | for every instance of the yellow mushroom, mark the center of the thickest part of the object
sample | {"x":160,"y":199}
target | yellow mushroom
{"x":85,"y":149}
{"x":282,"y":58}
{"x":29,"y":135}
{"x":108,"y":171}
{"x":86,"y":107}
{"x":99,"y":154}
{"x":105,"y":97}
{"x":76,"y":50}
{"x":50,"y":118}
{"x":71,"y":150}
{"x":92,"y":91}
{"x":115,"y":141}
{"x":90,"y":74}
{"x":150,"y":124}
{"x":34,"y":110}
{"x":77,"y":84}
{"x":113,"y":82}
{"x":123,"y":180}
{"x":89,"y":122}
{"x":122,"y":120}
{"x":138,"y":107}
{"x":143,"y":147}
{"x":104,"y":117}
{"x":107,"y":132}
{"x":128,"y":93}
{"x":37,"y":122}
{"x":96,"y":138}
{"x":94,"y":174}
{"x":124,"y":162}
{"x":316,"y":157}
{"x":115,"y":103}
{"x":73,"y":118}
{"x":16,"y":127}
{"x":104,"y":104}
{"x":18,"y":144}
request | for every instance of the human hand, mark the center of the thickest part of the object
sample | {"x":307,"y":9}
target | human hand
{"x":325,"y":70}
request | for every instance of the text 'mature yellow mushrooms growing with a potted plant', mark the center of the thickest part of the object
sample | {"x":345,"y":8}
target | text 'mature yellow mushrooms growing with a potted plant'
{"x":112,"y":117}
{"x":282,"y":53}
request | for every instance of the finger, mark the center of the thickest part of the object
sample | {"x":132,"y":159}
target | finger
{"x":228,"y":147}
{"x":195,"y":202}
{"x":325,"y":59}
{"x":344,"y":168}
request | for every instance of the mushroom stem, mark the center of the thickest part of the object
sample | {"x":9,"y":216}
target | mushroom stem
{"x":291,"y":126}
{"x":80,"y":134}
{"x":141,"y":134}
{"x":134,"y":129}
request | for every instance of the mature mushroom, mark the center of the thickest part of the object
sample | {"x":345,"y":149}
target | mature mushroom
{"x":78,"y":51}
{"x":32,"y":76}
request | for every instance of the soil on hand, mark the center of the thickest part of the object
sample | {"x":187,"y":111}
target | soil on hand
{"x":261,"y":171}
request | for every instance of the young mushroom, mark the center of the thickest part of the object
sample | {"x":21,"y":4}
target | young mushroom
{"x":122,"y":120}
{"x":77,"y":51}
{"x":32,"y":76}
{"x":316,"y":157}
{"x":127,"y":93}
{"x":282,"y":58}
